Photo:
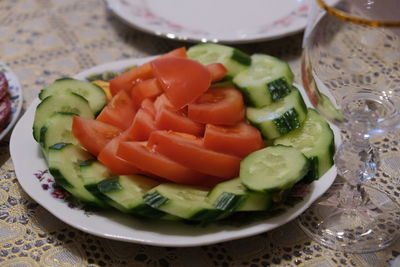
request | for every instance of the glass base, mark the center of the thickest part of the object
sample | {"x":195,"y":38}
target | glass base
{"x":370,"y":226}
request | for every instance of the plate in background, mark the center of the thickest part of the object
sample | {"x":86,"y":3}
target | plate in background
{"x":225,"y":21}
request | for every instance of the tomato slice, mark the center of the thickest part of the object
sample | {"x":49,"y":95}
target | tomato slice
{"x":117,"y":165}
{"x":126,"y":80}
{"x":145,"y":89}
{"x":183,"y":80}
{"x":176,"y":120}
{"x":148,"y":106}
{"x":219,"y":105}
{"x":150,"y":161}
{"x":162,"y":102}
{"x":142,"y":126}
{"x":119,"y":111}
{"x":189,"y":151}
{"x":217,"y":71}
{"x":93,"y":135}
{"x":169,"y":119}
{"x":239,"y":140}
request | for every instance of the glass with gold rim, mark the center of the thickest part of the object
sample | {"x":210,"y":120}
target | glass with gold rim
{"x":351,"y":72}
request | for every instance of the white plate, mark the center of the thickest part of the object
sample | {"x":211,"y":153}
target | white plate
{"x":225,"y":21}
{"x":30,"y":169}
{"x":14,"y":88}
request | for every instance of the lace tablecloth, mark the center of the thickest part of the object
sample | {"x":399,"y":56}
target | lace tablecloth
{"x":42,"y":40}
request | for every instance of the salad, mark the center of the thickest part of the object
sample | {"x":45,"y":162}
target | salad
{"x":195,"y":134}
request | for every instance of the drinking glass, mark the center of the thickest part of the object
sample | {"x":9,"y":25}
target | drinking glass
{"x":351,"y":72}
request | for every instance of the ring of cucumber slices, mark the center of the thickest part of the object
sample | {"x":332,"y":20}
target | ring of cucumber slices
{"x":275,"y":107}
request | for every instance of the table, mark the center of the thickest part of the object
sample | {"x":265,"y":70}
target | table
{"x":42,"y":40}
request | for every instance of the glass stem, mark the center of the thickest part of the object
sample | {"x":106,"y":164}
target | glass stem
{"x":356,"y":163}
{"x":367,"y":155}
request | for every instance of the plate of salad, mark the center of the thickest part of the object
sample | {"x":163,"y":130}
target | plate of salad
{"x":201,"y":21}
{"x":189,"y":148}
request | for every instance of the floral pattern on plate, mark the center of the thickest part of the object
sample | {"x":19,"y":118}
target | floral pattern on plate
{"x":48,"y":184}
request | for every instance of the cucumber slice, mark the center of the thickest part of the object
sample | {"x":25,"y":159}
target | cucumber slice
{"x":64,"y":160}
{"x":92,"y":93}
{"x":233,"y":59}
{"x":125,"y":193}
{"x":93,"y":172}
{"x":65,"y":102}
{"x":315,"y":140}
{"x":232,"y":195}
{"x":182,"y":201}
{"x":266,"y":81}
{"x":273,"y":169}
{"x":57,"y":129}
{"x":280,"y":117}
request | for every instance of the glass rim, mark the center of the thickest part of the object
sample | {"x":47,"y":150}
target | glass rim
{"x":354,"y":19}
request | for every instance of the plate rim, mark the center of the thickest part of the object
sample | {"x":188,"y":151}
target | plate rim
{"x":152,"y":237}
{"x":16,"y":102}
{"x":112,"y":5}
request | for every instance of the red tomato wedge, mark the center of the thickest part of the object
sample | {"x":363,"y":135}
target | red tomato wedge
{"x":183,"y":80}
{"x":142,"y":126}
{"x":217,"y":71}
{"x":148,"y":160}
{"x":148,"y":106}
{"x":145,"y":89}
{"x":162,"y":102}
{"x":117,"y":165}
{"x":189,"y":151}
{"x":93,"y":135}
{"x":239,"y":140}
{"x":168,"y":119}
{"x":126,"y":80}
{"x":219,"y":105}
{"x":119,"y":111}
